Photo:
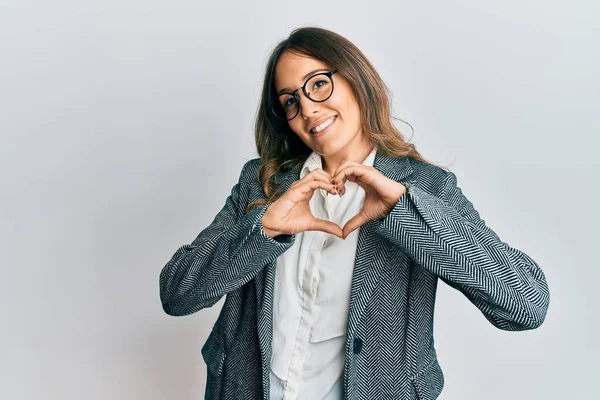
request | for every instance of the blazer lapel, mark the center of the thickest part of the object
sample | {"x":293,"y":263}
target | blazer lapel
{"x":371,"y":250}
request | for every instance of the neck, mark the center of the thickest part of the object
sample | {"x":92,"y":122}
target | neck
{"x":354,"y":152}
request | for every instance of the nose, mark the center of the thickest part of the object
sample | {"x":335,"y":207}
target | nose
{"x":307,"y":106}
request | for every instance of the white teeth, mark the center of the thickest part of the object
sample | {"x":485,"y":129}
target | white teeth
{"x":323,"y":125}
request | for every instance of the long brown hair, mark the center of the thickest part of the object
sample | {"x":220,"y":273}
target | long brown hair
{"x":280,"y":149}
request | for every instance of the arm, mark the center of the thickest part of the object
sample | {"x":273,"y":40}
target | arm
{"x":224,"y":256}
{"x":445,"y":235}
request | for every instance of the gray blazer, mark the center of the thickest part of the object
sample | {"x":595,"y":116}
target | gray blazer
{"x":433,"y":232}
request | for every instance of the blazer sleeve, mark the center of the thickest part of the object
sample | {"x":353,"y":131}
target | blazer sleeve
{"x":445,"y":235}
{"x":223,"y":257}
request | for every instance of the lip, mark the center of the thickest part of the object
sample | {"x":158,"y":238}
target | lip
{"x":319,"y":122}
{"x":324,"y":131}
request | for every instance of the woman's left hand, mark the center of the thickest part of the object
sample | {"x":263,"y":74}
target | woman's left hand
{"x":381,"y":192}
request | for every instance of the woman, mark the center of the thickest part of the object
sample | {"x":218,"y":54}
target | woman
{"x":331,"y":292}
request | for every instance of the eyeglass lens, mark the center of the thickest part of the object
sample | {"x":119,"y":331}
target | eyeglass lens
{"x":318,"y":88}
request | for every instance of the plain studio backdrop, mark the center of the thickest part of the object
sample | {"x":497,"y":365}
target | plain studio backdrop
{"x":124,"y":125}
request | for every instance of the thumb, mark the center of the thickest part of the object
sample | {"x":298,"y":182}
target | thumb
{"x":327,"y":226}
{"x":354,"y":223}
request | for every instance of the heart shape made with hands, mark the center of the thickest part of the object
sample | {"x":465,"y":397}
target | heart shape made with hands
{"x":381,"y":193}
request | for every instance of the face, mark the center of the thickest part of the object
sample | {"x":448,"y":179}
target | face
{"x":343,"y":136}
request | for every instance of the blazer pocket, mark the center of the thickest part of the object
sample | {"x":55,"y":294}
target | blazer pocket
{"x":213,"y":353}
{"x":428,"y":382}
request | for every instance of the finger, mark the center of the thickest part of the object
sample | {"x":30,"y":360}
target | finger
{"x":326,"y":226}
{"x":315,"y":175}
{"x":323,"y":173}
{"x":357,"y":170}
{"x":304,"y":192}
{"x":311,"y":186}
{"x":343,"y":165}
{"x":346,"y":173}
{"x":318,"y":173}
{"x":354,"y":223}
{"x":355,"y":173}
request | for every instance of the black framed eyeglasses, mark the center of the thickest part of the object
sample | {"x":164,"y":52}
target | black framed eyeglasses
{"x":286,"y":105}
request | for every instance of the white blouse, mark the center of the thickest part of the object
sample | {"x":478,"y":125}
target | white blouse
{"x":312,"y":298}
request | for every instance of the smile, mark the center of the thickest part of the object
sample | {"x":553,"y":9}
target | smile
{"x":323,"y":126}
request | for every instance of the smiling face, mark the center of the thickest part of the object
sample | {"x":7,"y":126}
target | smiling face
{"x":337,"y":120}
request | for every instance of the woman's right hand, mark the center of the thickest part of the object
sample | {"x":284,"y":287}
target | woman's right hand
{"x":291,"y":213}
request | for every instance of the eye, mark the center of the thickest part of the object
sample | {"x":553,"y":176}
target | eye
{"x":320,"y":83}
{"x":289,"y":102}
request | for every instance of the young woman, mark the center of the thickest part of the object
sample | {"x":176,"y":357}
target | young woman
{"x":330,"y":246}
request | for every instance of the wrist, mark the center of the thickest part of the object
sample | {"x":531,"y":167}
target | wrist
{"x":270,"y":233}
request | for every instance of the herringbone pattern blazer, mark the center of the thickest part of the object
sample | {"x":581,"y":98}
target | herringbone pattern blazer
{"x":433,"y":232}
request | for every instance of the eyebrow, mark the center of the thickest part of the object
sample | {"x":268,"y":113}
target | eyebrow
{"x":305,"y":77}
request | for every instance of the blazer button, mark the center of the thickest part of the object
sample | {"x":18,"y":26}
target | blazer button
{"x":357,"y":345}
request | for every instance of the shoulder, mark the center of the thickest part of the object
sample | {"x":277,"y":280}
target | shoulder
{"x":250,"y":169}
{"x":431,"y":178}
{"x":252,"y":164}
{"x":426,"y":171}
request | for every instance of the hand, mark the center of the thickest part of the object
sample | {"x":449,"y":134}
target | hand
{"x":291,"y":213}
{"x":381,"y":193}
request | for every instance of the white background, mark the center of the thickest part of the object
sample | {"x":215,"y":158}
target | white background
{"x":124,"y":125}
